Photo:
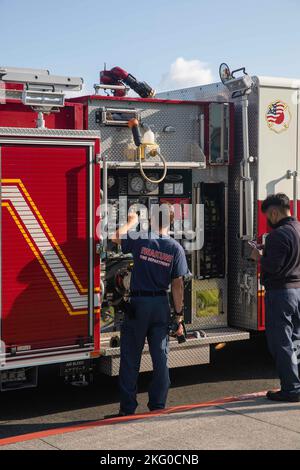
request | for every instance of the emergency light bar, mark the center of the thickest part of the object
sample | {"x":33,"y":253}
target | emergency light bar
{"x":42,"y":91}
{"x":43,"y":99}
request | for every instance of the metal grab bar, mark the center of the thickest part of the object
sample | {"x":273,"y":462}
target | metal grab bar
{"x":246,"y":183}
{"x":294,"y":174}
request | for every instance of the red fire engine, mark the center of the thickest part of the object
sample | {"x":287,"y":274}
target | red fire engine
{"x":70,"y":169}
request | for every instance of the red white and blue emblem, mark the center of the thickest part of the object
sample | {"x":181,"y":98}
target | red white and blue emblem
{"x":278,"y":116}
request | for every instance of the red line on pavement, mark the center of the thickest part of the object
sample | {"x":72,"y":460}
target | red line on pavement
{"x":123,"y":419}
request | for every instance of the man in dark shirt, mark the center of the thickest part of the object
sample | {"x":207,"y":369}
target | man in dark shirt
{"x":159,"y":261}
{"x":280,"y":274}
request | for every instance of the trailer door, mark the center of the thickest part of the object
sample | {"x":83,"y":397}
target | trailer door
{"x":49,"y":272}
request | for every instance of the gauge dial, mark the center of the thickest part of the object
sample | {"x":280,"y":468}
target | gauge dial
{"x":136,"y":184}
{"x":151,"y":187}
{"x":110,"y":181}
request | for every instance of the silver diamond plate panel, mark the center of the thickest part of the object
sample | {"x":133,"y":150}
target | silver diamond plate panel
{"x":193,"y":352}
{"x":181,"y":145}
{"x":212,"y":92}
{"x":35,"y":132}
{"x":192,"y":356}
{"x":242,"y":310}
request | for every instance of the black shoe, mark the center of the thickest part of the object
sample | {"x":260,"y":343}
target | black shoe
{"x":280,"y":396}
{"x":118,"y":415}
{"x":123,"y":413}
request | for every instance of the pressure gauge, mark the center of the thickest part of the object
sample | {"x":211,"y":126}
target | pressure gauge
{"x":136,"y":184}
{"x":152,"y":187}
{"x":110,"y":182}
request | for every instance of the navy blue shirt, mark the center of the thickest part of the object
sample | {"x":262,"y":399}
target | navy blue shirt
{"x":157,"y":260}
{"x":280,"y":263}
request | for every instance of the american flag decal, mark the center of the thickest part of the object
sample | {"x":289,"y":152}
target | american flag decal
{"x":278,"y":116}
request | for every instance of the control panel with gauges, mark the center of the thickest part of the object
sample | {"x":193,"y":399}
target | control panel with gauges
{"x":124,"y":182}
{"x":176,"y":189}
{"x":127,"y":188}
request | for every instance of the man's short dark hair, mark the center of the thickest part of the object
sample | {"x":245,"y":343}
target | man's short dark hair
{"x":279,"y":200}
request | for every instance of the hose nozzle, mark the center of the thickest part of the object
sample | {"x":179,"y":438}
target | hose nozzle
{"x":133,"y":124}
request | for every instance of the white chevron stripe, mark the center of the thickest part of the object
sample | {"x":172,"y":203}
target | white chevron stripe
{"x":58,"y":270}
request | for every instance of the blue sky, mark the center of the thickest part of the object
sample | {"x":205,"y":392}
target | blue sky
{"x":168,"y":43}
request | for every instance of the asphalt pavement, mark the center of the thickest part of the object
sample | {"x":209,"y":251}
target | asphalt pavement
{"x":253,"y":423}
{"x":239,"y":368}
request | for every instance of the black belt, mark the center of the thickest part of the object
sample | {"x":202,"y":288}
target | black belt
{"x":148,"y":293}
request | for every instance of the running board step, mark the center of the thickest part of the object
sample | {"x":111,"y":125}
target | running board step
{"x":194,"y":351}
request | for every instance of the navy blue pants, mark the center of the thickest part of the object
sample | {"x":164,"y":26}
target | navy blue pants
{"x":283,"y":335}
{"x":151,"y":320}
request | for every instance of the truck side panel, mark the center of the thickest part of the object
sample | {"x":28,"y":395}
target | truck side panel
{"x":45,"y":271}
{"x":16,"y":114}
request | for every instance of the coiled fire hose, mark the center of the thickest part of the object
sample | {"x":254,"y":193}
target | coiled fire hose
{"x":133,"y":124}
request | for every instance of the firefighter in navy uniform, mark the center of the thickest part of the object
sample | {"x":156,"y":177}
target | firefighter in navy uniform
{"x":159,"y":261}
{"x":280,"y":266}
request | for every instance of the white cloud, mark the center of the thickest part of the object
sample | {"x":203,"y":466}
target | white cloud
{"x":184,"y":73}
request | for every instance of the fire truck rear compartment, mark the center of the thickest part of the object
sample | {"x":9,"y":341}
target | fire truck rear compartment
{"x":191,"y":182}
{"x":196,"y":142}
